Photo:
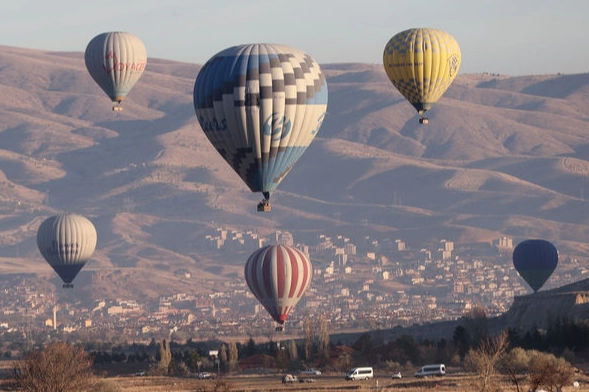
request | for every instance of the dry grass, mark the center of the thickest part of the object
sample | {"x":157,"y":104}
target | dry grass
{"x":329,"y":383}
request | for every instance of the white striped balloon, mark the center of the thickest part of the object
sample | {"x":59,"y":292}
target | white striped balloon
{"x":278,"y":276}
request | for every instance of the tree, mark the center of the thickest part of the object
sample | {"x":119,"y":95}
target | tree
{"x":293,"y":350}
{"x":223,"y":356}
{"x":477,"y":325}
{"x":162,"y":367}
{"x":549,"y":372}
{"x":363,"y":344}
{"x":233,"y":356}
{"x":485,"y":360}
{"x":309,"y":339}
{"x":461,"y":340}
{"x":323,"y":339}
{"x":59,"y":367}
{"x":192,"y":358}
{"x":250,"y":348}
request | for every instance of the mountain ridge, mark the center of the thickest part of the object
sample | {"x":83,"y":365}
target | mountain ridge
{"x":501,"y":156}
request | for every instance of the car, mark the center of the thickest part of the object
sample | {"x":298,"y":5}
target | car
{"x":397,"y":376}
{"x":311,"y":372}
{"x":289,"y":378}
{"x":205,"y":375}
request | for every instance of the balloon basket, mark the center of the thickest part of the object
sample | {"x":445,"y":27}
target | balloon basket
{"x":68,"y":286}
{"x":264,"y":206}
{"x":117,"y":107}
{"x":279,"y":329}
{"x":423,"y":120}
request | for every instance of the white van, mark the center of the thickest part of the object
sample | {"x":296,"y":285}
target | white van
{"x":431,"y":370}
{"x":360,"y":373}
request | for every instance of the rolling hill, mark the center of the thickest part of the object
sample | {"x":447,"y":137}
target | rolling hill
{"x":501,"y":156}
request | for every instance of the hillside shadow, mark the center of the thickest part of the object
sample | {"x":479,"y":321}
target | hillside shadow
{"x":112,"y":162}
{"x":560,"y":87}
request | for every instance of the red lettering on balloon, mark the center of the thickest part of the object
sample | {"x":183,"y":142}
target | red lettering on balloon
{"x":138,"y":67}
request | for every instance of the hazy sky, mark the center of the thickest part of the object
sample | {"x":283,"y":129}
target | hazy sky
{"x":516,"y":37}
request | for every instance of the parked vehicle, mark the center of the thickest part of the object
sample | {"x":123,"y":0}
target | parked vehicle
{"x":431,"y":370}
{"x":397,"y":376}
{"x":311,"y":372}
{"x":289,"y":378}
{"x":205,"y":375}
{"x":360,"y":373}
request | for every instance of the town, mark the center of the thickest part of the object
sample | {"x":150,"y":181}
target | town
{"x":358,"y":284}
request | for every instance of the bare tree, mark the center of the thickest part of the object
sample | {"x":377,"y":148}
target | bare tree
{"x":233,"y":356}
{"x":223,"y":356}
{"x":309,"y":339}
{"x":293,"y":351}
{"x":549,"y":372}
{"x":485,"y":360}
{"x":59,"y":367}
{"x":323,"y":338}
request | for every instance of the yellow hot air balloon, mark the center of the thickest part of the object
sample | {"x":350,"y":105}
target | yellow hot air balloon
{"x":421,"y":64}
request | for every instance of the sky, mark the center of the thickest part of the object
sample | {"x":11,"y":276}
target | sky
{"x":509,"y":37}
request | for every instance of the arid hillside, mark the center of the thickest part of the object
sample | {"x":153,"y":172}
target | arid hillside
{"x":501,"y":156}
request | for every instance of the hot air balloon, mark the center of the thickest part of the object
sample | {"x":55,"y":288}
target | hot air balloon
{"x":66,"y":241}
{"x":260,"y":105}
{"x":535,"y":260}
{"x":421,"y":64}
{"x":278,"y":276}
{"x":116,"y":61}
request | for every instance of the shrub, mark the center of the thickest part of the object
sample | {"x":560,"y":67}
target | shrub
{"x":59,"y":367}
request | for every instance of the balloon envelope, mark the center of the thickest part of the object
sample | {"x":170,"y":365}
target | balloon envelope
{"x":278,"y":276}
{"x":116,"y":61}
{"x":260,"y":105}
{"x":535,"y":260}
{"x":422,"y":63}
{"x":66,"y":241}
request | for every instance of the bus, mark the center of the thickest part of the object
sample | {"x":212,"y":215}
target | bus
{"x":431,"y":370}
{"x":360,"y":373}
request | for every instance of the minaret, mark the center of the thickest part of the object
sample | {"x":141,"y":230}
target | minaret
{"x":55,"y":317}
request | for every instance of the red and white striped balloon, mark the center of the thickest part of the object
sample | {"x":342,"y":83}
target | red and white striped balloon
{"x":278,"y":276}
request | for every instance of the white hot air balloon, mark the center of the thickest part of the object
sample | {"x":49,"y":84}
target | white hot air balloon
{"x":116,"y":61}
{"x":66,"y":241}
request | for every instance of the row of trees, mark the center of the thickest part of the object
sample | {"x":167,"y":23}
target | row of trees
{"x":538,"y":370}
{"x":470,"y":347}
{"x":63,"y":367}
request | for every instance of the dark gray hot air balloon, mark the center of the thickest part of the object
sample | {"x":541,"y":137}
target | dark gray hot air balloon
{"x":535,"y":260}
{"x":66,"y":241}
